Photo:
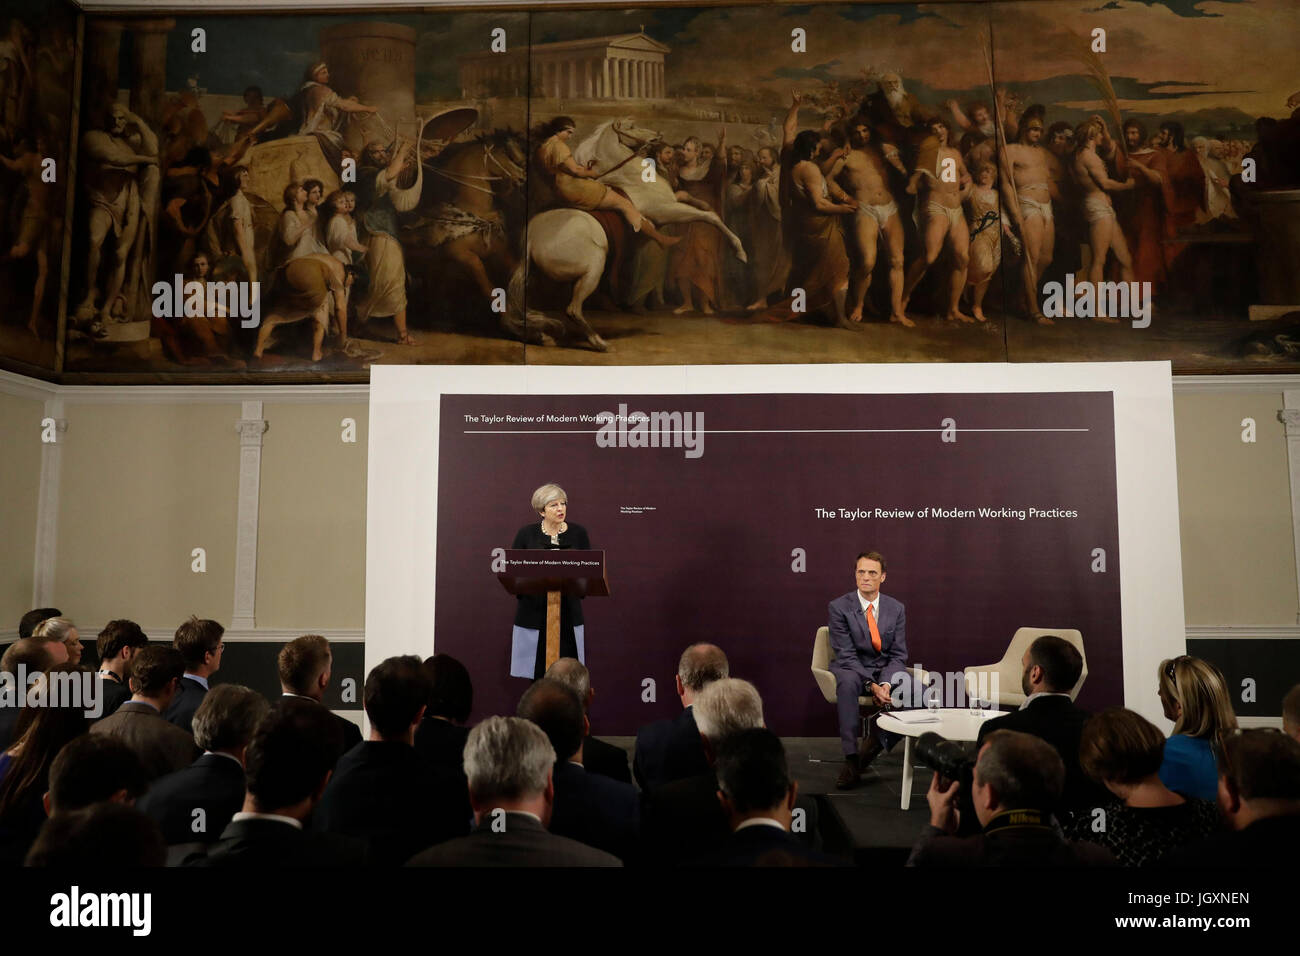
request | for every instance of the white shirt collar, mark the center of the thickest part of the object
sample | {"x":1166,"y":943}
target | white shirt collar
{"x":218,"y":753}
{"x":1042,"y":693}
{"x":197,"y":679}
{"x":875,"y":605}
{"x":266,"y":816}
{"x":761,"y":822}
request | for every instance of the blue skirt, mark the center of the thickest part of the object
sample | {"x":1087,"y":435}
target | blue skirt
{"x":523,"y":649}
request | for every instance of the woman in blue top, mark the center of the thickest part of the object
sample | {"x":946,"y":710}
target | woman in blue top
{"x":1195,"y":698}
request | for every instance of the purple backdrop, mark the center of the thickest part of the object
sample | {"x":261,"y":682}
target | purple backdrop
{"x":701,"y":548}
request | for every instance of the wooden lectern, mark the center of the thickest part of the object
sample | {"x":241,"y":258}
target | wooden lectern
{"x":554,"y":572}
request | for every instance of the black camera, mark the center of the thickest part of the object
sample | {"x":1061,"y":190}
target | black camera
{"x":949,"y":759}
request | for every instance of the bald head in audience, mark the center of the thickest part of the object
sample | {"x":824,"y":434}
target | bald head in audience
{"x":699,"y":666}
{"x":556,"y":709}
{"x":573,"y":674}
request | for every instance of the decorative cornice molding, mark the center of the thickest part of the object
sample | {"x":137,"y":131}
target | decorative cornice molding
{"x":1290,"y":417}
{"x":1210,"y":632}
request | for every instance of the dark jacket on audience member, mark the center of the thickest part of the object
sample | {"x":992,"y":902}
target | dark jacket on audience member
{"x":8,"y":723}
{"x":683,"y":821}
{"x":163,"y":747}
{"x":605,"y":759}
{"x":760,"y":844}
{"x":274,"y":844}
{"x":1269,"y":843}
{"x":669,"y":750}
{"x":213,"y":783}
{"x":524,"y":842}
{"x":189,"y":694}
{"x":1006,"y":846}
{"x":114,"y":693}
{"x":442,"y":743}
{"x":351,"y":732}
{"x":595,"y":810}
{"x":1058,"y":721}
{"x":385,"y":793}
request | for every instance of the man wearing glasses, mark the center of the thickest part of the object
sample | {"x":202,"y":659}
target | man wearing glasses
{"x":200,"y":644}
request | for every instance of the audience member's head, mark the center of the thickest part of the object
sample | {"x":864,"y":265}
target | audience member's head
{"x":51,"y":641}
{"x":700,"y":665}
{"x":452,"y":696}
{"x":1195,"y":697}
{"x":1016,"y":771}
{"x":305,"y":666}
{"x":754,"y":778}
{"x":291,"y":757}
{"x":27,"y":625}
{"x":1259,"y":777}
{"x":62,"y":631}
{"x":1052,"y":665}
{"x":396,"y":695}
{"x":573,"y":674}
{"x":1121,"y":749}
{"x":117,"y":644}
{"x":39,"y":734}
{"x":102,"y":835}
{"x":155,"y":672}
{"x":30,"y":654}
{"x":508,"y":764}
{"x":94,"y":768}
{"x":555,"y":708}
{"x":726,"y":707}
{"x":227,"y":718}
{"x":200,"y":644}
{"x":1291,"y":712}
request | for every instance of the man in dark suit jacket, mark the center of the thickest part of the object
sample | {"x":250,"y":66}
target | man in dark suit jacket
{"x":1017,"y":782}
{"x":868,"y":635}
{"x":290,"y":759}
{"x":223,"y":728}
{"x":683,"y":820}
{"x":1052,"y":667}
{"x":597,"y":756}
{"x":117,"y":644}
{"x":161,"y":746}
{"x":200,"y":645}
{"x":668,"y":750}
{"x":306,"y":664}
{"x":1259,"y":795}
{"x":758,"y":797}
{"x":589,"y":808}
{"x":509,"y":764}
{"x":382,"y":790}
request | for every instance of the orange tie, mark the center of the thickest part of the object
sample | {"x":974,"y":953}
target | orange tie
{"x":875,"y":631}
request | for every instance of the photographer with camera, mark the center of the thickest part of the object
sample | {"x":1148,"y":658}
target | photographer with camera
{"x":1016,"y":783}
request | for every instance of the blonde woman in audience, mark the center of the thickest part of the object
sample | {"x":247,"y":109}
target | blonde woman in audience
{"x":1124,"y":751}
{"x":62,"y":630}
{"x":1195,"y":697}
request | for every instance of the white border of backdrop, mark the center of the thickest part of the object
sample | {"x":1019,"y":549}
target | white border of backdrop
{"x":402,"y":503}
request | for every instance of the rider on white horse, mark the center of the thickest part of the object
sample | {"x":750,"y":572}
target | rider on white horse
{"x":577,"y":185}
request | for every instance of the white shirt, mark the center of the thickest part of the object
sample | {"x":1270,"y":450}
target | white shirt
{"x":219,"y":753}
{"x":266,"y":816}
{"x":874,"y":605}
{"x":761,"y":822}
{"x":198,"y":680}
{"x":1042,"y":693}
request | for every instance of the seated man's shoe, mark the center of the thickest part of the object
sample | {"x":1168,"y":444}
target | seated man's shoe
{"x":849,"y":776}
{"x":870,"y":750}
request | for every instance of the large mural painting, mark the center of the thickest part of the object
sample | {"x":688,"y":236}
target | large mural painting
{"x":296,"y":198}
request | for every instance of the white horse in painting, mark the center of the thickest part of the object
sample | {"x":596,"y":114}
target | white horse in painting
{"x":569,"y":244}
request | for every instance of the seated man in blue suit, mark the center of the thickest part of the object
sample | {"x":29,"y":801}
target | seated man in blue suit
{"x":868,"y":654}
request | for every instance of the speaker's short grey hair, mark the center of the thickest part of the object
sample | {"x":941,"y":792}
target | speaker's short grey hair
{"x":544,"y":495}
{"x":228,"y":716}
{"x":573,"y":674}
{"x":507,"y":758}
{"x":726,"y":706}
